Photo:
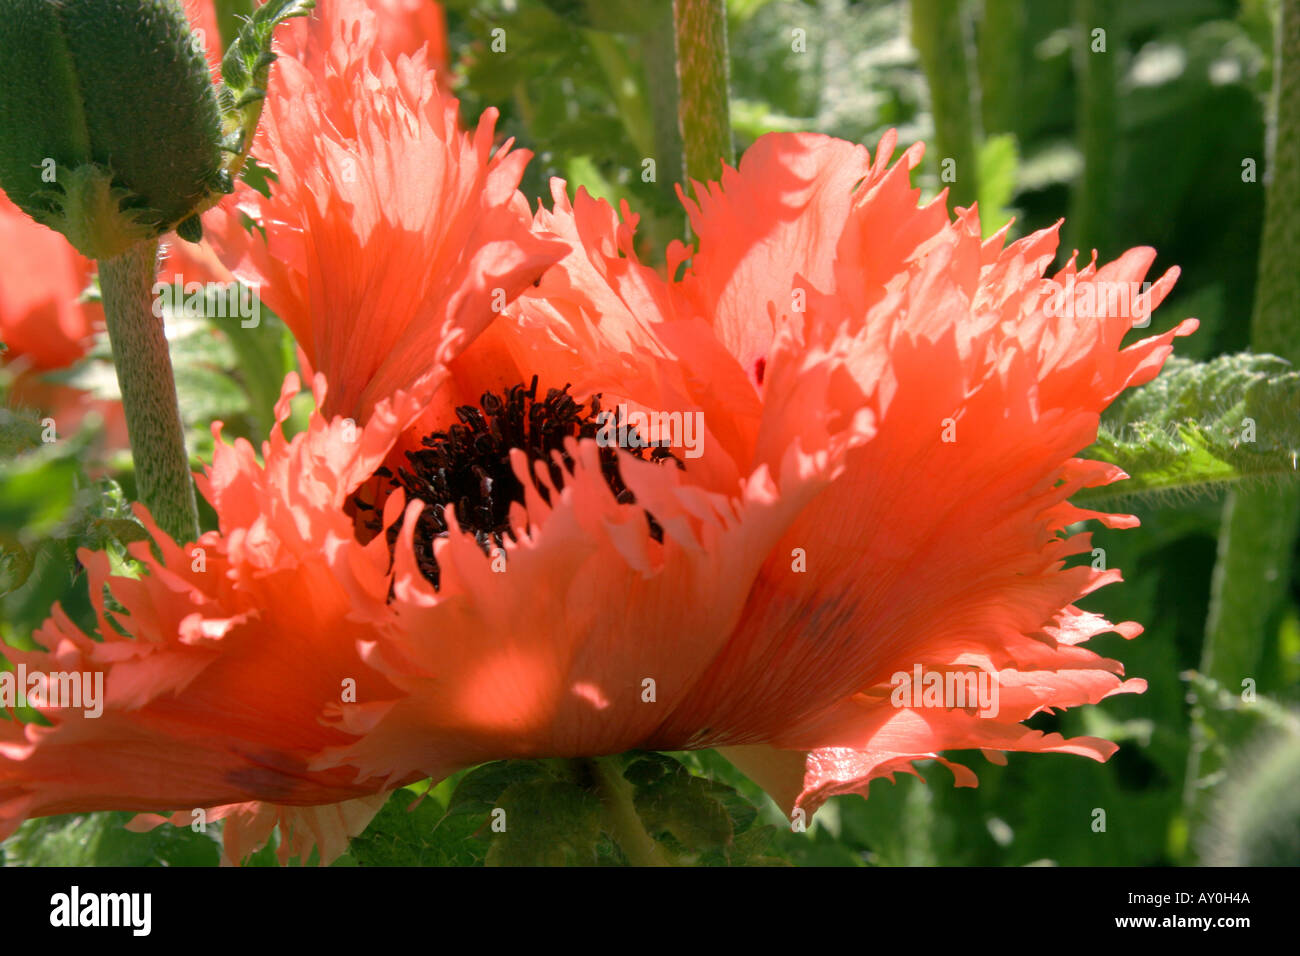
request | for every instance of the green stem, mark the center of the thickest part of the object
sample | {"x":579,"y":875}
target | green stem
{"x":704,"y":113}
{"x":1092,"y":204}
{"x":1259,"y":526}
{"x":658,"y":53}
{"x":939,"y":35}
{"x":1275,"y":326}
{"x":1001,"y":64}
{"x":621,"y":819}
{"x":144,"y":374}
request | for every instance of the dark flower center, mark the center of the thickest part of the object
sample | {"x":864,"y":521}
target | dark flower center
{"x":468,"y":465}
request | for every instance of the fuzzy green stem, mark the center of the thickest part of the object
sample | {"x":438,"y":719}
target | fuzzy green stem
{"x":1092,"y":204}
{"x":1275,"y":326}
{"x":704,"y":111}
{"x":1001,"y":61}
{"x":144,"y":375}
{"x":939,"y":35}
{"x":1259,"y":525}
{"x":621,"y":820}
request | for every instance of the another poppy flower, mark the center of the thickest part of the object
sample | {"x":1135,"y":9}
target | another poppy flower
{"x":42,"y":318}
{"x":387,"y":227}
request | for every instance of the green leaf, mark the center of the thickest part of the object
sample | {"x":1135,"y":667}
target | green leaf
{"x":101,"y":839}
{"x":678,"y":808}
{"x":506,"y":813}
{"x":1199,"y":426}
{"x":38,"y":490}
{"x":460,"y":837}
{"x":546,"y":822}
{"x":572,"y":813}
{"x":49,"y":509}
{"x":998,"y":162}
{"x":47,"y":500}
{"x":479,"y":790}
{"x":404,"y":833}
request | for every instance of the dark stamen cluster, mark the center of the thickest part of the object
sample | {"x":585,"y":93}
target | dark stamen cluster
{"x":468,"y":465}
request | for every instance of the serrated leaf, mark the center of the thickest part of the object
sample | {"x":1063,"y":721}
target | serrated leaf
{"x":480,"y":789}
{"x":697,"y":820}
{"x":459,"y":836}
{"x":547,"y":823}
{"x":684,"y":807}
{"x":573,"y":813}
{"x":405,"y":833}
{"x":20,"y":431}
{"x":1201,"y":425}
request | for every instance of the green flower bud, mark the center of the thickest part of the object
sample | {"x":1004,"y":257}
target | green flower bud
{"x":110,"y":130}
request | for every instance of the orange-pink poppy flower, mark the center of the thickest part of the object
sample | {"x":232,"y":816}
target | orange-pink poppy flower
{"x":408,"y":26}
{"x":388,"y":227}
{"x":174,"y":694}
{"x":449,"y":566}
{"x":889,"y":410}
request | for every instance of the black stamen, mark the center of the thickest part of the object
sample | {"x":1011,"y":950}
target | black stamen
{"x":468,"y":465}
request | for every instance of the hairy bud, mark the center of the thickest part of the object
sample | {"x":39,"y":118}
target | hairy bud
{"x":111,"y":128}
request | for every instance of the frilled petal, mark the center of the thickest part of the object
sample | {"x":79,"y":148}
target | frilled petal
{"x":581,"y":636}
{"x":409,"y":26}
{"x":246,"y":827}
{"x":774,"y":217}
{"x":391,"y":237}
{"x":239,"y":645}
{"x":944,"y":544}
